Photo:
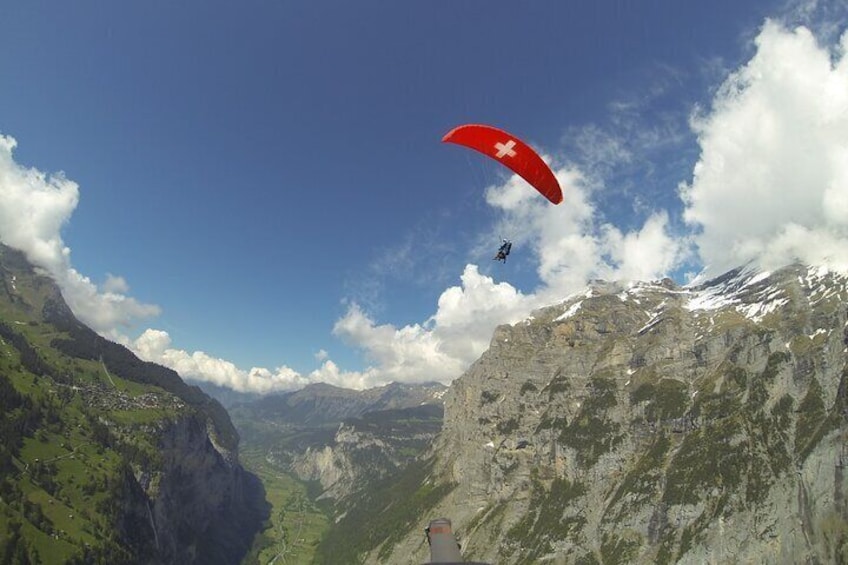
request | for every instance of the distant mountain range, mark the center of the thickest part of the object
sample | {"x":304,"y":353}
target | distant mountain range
{"x":321,"y":404}
{"x":343,"y":439}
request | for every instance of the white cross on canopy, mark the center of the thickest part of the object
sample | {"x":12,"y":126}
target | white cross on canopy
{"x":505,"y":149}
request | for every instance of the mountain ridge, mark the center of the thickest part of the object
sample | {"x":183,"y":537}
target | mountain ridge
{"x":649,"y":422}
{"x":322,"y":404}
{"x":106,"y":458}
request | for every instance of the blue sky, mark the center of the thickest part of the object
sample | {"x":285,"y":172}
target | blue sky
{"x":256,"y":194}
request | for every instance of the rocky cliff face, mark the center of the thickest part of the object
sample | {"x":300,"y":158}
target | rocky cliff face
{"x":655,"y":424}
{"x":192,"y":504}
{"x":368,"y":449}
{"x":201,"y":504}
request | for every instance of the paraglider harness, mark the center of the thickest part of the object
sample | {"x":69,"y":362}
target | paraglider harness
{"x":503,"y":251}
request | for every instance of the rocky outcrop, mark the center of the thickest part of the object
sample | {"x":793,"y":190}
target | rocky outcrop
{"x":367,"y":449}
{"x":330,"y":465}
{"x":202,"y":506}
{"x":193,"y":504}
{"x":647,"y":423}
{"x":343,"y":439}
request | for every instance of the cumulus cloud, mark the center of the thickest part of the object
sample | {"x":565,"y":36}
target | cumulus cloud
{"x":444,"y":345}
{"x":34,"y":207}
{"x":408,"y":354}
{"x":771,"y":184}
{"x":570,"y":247}
{"x":155,"y":346}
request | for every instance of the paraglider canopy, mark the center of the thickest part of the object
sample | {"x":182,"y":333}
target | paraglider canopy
{"x":511,"y":152}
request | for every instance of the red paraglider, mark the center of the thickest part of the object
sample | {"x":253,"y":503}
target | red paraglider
{"x":511,"y":152}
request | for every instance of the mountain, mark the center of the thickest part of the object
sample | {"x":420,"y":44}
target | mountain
{"x":640,"y":423}
{"x":342,"y":439}
{"x":321,"y":404}
{"x":106,"y":458}
{"x":321,"y":449}
{"x":367,"y":449}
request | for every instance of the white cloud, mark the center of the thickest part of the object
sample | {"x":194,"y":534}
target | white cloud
{"x":155,"y":346}
{"x":599,"y":150}
{"x":771,"y":184}
{"x":646,"y":254}
{"x":571,"y":249}
{"x":33,"y":208}
{"x":409,"y":354}
{"x":115,"y":284}
{"x":467,"y":314}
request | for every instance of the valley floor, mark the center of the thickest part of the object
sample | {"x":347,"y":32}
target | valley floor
{"x":296,"y":525}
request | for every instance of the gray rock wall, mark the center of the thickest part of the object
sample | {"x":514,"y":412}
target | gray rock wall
{"x":654,"y":424}
{"x":196,"y":503}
